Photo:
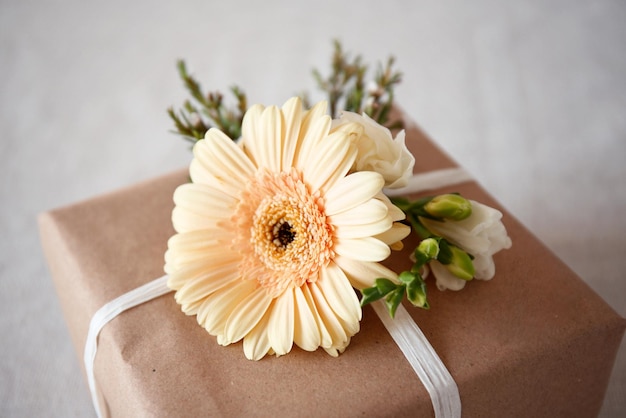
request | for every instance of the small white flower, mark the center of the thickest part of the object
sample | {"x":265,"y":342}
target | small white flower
{"x":377,"y":150}
{"x":482,"y":235}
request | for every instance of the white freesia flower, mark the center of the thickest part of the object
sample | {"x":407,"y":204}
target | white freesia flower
{"x":377,"y":150}
{"x":482,"y":235}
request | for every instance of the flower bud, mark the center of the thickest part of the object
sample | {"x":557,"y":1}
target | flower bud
{"x":449,"y":206}
{"x":427,"y":250}
{"x":460,"y":264}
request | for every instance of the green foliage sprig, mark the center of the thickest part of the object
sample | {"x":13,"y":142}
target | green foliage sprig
{"x":193,"y":122}
{"x":345,"y":88}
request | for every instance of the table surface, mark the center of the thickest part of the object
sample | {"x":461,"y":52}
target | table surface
{"x":529,"y":97}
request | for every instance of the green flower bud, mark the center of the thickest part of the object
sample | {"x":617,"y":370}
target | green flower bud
{"x":427,"y":250}
{"x":449,"y":206}
{"x":429,"y":247}
{"x":460,"y":264}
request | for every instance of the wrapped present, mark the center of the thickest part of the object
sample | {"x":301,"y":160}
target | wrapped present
{"x":534,"y":341}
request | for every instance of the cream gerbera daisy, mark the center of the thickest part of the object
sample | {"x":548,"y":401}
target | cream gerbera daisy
{"x":274,"y":233}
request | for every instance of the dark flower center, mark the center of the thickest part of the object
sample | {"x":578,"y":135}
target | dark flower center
{"x":283,"y":234}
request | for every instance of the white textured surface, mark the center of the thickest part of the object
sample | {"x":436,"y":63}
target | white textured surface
{"x":529,"y":96}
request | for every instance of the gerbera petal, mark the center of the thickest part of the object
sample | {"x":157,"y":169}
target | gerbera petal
{"x":334,"y":351}
{"x":280,"y":329}
{"x":210,"y":281}
{"x":198,"y":240}
{"x":235,"y":159}
{"x":218,"y":161}
{"x":363,"y":274}
{"x":363,"y":230}
{"x":181,"y":273}
{"x":292,"y":113}
{"x":169,"y":256}
{"x":270,"y":130}
{"x":328,"y":163}
{"x":217,"y":307}
{"x":192,"y":240}
{"x":396,"y":233}
{"x":339,"y":294}
{"x":201,"y":175}
{"x":223,"y":156}
{"x":204,"y":200}
{"x":211,"y":252}
{"x":246,"y":315}
{"x":341,"y":170}
{"x":312,"y":138}
{"x":202,"y":195}
{"x":351,"y":328}
{"x":306,"y":332}
{"x":257,"y":343}
{"x":182,"y":257}
{"x":395,"y":212}
{"x":371,"y":211}
{"x":325,"y":337}
{"x":216,"y":177}
{"x":310,"y":116}
{"x":252,"y":144}
{"x":327,"y":317}
{"x":192,"y":308}
{"x":185,"y":220}
{"x":363,"y":249}
{"x":353,"y":190}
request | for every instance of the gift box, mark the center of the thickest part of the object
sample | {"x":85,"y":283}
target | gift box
{"x":534,"y":341}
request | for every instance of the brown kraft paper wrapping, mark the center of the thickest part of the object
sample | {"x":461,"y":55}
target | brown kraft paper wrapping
{"x":534,"y":341}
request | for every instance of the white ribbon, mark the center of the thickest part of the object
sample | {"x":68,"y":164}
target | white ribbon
{"x":431,"y":180}
{"x":444,"y":394}
{"x":142,"y":294}
{"x":414,"y":345}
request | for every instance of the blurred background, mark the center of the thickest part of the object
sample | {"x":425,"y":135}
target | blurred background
{"x":529,"y":96}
